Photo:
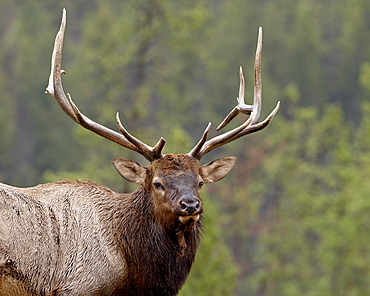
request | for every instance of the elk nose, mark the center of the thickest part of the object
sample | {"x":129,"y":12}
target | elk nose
{"x":190,"y":204}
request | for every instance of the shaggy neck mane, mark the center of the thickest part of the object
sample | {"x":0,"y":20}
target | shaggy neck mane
{"x":155,"y":267}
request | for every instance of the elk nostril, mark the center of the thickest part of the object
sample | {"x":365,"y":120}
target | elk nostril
{"x":183,"y":205}
{"x":190,"y":207}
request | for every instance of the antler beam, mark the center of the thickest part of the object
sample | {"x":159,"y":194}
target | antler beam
{"x":251,"y":125}
{"x":55,"y":88}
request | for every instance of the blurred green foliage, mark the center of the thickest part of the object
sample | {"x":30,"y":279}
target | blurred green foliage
{"x":316,"y":242}
{"x":293,"y":216}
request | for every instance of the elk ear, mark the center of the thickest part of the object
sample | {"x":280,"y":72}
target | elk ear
{"x":130,"y":170}
{"x":217,"y":169}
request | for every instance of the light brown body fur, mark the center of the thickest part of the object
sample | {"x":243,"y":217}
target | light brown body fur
{"x":55,"y":234}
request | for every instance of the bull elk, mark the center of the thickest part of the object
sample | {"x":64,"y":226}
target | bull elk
{"x":80,"y":238}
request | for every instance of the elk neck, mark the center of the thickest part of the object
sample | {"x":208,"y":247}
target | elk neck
{"x":149,"y":246}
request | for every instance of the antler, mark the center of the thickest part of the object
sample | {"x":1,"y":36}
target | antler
{"x":251,"y":125}
{"x":55,"y":88}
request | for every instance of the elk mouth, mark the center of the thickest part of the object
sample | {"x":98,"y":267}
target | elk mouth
{"x":186,"y":219}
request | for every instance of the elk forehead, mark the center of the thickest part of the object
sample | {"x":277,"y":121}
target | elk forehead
{"x":176,"y":162}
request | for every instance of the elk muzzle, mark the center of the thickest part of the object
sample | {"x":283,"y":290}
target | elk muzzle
{"x":189,"y":208}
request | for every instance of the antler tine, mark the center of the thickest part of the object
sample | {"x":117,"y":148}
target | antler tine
{"x":251,"y":125}
{"x":257,"y":100}
{"x":199,"y":145}
{"x":55,"y":88}
{"x":241,"y":107}
{"x":150,"y":152}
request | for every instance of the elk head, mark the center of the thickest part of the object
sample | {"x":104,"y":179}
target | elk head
{"x":173,"y":181}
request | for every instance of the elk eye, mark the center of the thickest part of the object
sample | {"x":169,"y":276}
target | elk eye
{"x":200,"y":185}
{"x":158,"y":185}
